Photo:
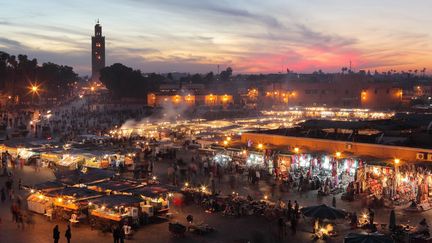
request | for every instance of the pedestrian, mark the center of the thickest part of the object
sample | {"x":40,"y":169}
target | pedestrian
{"x":115,"y":234}
{"x":56,"y":234}
{"x":14,"y":210}
{"x":371,"y":217}
{"x":392,"y":224}
{"x":293,"y":225}
{"x":334,"y":202}
{"x":3,"y":195}
{"x":11,"y":195}
{"x":29,"y":220}
{"x":68,"y":234}
{"x":20,"y":219}
{"x":213,"y":185}
{"x":19,"y":184}
{"x":354,"y":220}
{"x":296,"y":209}
{"x":121,"y":234}
{"x":281,"y":228}
{"x":289,"y":209}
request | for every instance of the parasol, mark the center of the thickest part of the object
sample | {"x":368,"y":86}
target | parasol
{"x":323,"y":212}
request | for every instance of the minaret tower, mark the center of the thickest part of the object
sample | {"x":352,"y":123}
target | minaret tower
{"x":98,"y":52}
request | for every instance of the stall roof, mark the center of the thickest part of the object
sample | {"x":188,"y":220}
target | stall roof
{"x":48,"y":185}
{"x":118,"y":185}
{"x":153,"y":191}
{"x":115,"y":200}
{"x":77,"y":192}
{"x":91,"y":175}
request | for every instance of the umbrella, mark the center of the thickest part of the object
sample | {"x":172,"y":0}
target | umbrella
{"x":367,"y":238}
{"x":323,"y":212}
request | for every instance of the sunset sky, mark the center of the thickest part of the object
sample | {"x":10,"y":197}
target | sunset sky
{"x":251,"y":36}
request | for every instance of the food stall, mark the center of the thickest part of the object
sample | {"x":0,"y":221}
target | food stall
{"x":38,"y":203}
{"x":255,"y":159}
{"x":155,"y":197}
{"x":115,"y":208}
{"x":71,"y":160}
{"x":25,"y":153}
{"x":50,"y":157}
{"x":69,"y":197}
{"x":222,"y":159}
{"x":64,"y":202}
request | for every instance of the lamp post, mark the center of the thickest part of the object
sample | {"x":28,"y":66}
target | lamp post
{"x":396,"y":181}
{"x":34,"y":90}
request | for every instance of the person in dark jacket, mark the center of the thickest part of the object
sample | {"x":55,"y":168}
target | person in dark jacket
{"x":121,"y":234}
{"x":116,"y":234}
{"x":3,"y":195}
{"x":56,"y":234}
{"x":68,"y":234}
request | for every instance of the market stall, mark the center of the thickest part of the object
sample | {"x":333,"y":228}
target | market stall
{"x":62,"y":203}
{"x":330,"y":173}
{"x":156,"y":197}
{"x":376,"y":178}
{"x":71,"y":160}
{"x":255,"y":159}
{"x":115,"y":208}
{"x":283,"y":165}
{"x":38,"y":203}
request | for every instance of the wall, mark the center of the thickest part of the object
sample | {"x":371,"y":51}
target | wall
{"x":336,"y":93}
{"x":331,"y":146}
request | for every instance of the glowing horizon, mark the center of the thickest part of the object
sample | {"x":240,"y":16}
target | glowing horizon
{"x":251,"y":36}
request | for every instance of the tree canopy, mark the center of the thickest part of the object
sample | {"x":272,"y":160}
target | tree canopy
{"x":123,"y":81}
{"x":18,"y":73}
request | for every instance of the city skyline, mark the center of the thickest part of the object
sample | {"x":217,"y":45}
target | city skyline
{"x":250,"y":36}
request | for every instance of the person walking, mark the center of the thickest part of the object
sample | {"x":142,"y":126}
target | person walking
{"x":294,"y":225}
{"x":68,"y":234}
{"x":56,"y":234}
{"x":289,"y":209}
{"x":121,"y":234}
{"x":3,"y":195}
{"x":20,"y":220}
{"x":371,"y":217}
{"x":281,"y":228}
{"x":19,"y":184}
{"x":116,"y":234}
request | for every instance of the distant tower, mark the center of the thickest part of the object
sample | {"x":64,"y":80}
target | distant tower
{"x":98,"y":52}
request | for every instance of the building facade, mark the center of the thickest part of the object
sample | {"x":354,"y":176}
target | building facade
{"x":336,"y":93}
{"x":98,"y":52}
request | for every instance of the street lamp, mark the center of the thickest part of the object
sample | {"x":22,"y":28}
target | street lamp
{"x":34,"y":88}
{"x":260,"y":146}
